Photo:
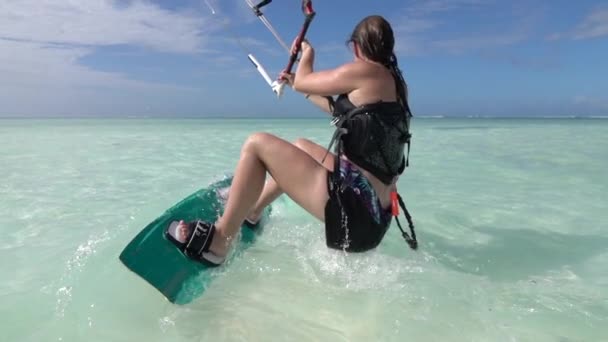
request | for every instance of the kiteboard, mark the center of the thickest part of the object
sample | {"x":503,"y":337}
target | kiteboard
{"x":158,"y":261}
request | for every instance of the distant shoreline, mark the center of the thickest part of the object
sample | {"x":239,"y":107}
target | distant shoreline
{"x":592,"y":117}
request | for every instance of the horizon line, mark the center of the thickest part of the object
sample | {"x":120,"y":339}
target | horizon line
{"x":426,"y":117}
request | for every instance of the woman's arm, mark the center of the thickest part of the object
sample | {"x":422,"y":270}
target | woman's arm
{"x":340,"y":80}
{"x":320,"y":101}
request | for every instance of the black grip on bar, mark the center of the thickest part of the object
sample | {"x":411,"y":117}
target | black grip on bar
{"x":257,"y":7}
{"x":309,"y":16}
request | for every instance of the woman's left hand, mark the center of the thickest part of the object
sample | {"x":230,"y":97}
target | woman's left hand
{"x":287,"y":77}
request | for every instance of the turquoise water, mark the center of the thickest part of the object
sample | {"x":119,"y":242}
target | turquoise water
{"x":511,"y":217}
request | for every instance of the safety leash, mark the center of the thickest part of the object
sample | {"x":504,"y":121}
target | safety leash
{"x":396,"y":202}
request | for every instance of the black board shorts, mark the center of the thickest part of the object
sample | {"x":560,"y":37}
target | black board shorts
{"x":354,"y":218}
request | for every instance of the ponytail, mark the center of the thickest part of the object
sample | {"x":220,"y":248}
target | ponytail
{"x":402,"y":95}
{"x":400,"y":85}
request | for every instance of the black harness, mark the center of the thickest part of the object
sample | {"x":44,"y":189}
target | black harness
{"x":342,"y":122}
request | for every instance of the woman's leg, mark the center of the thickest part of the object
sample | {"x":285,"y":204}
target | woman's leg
{"x":271,"y":189}
{"x":298,"y":174}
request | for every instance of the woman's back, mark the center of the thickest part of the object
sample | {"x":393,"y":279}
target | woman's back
{"x":378,"y":84}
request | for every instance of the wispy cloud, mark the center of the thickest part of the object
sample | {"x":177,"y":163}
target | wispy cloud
{"x":43,"y":42}
{"x":594,"y":25}
{"x":422,"y":8}
{"x":101,"y":23}
{"x":473,"y":43}
{"x":420,"y":28}
{"x":47,"y":80}
{"x":415,"y":25}
{"x":543,"y":62}
{"x":408,"y":34}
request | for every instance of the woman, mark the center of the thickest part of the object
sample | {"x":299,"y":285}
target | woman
{"x":353,"y":191}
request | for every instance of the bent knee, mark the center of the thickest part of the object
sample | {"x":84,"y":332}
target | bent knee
{"x":302,"y":143}
{"x":257,"y":139}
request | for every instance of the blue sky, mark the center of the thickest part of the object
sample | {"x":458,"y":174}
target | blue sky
{"x":177,"y":59}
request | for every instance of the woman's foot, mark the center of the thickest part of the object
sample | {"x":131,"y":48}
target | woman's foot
{"x":182,"y":232}
{"x":213,"y":251}
{"x":253,"y":219}
{"x":219,"y":243}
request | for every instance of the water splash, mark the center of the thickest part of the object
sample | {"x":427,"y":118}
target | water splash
{"x":74,"y":266}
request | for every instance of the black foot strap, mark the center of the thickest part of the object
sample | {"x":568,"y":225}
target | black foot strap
{"x":196,"y":243}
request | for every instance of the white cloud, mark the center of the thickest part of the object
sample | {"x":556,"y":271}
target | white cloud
{"x":100,"y":23}
{"x":594,"y":25}
{"x":42,"y":42}
{"x":39,"y":80}
{"x":54,"y":66}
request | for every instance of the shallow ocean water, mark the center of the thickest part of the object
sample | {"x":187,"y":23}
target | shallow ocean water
{"x":510,"y":215}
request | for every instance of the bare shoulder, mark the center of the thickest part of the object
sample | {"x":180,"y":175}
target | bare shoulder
{"x":342,"y":79}
{"x":356,"y":69}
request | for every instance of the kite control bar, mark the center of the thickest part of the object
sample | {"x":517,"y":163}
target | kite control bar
{"x":309,"y":15}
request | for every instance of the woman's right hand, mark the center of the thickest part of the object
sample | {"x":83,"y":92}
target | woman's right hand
{"x":305,"y":47}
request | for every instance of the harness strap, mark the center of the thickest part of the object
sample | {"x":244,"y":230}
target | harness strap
{"x":411,"y":240}
{"x":331,"y":102}
{"x":338,"y":133}
{"x":407,"y":159}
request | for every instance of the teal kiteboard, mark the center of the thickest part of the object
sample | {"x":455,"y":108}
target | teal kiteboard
{"x":154,"y":258}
